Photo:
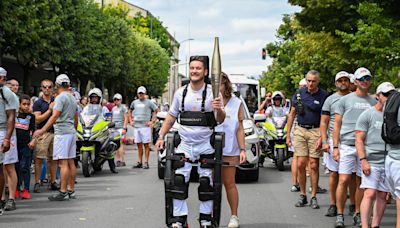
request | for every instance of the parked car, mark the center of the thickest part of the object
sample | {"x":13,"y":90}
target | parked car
{"x":244,"y":172}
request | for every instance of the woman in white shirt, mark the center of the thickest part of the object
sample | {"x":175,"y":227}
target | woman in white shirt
{"x":235,"y":149}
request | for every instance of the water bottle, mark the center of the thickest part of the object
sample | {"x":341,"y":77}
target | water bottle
{"x":300,"y":105}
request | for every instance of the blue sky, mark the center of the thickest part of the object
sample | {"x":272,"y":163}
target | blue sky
{"x":244,"y":27}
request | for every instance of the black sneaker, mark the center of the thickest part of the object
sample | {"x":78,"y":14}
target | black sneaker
{"x":138,"y":165}
{"x":119,"y":163}
{"x":36,"y":188}
{"x":352,"y":209}
{"x":123,"y":164}
{"x":146,"y":165}
{"x":72,"y":195}
{"x":319,"y":190}
{"x":60,"y":196}
{"x":314,"y":203}
{"x":2,"y":204}
{"x":295,"y":188}
{"x":357,"y":220}
{"x":339,"y":221}
{"x":54,"y":186}
{"x":10,"y":205}
{"x":302,"y":201}
{"x":332,"y":211}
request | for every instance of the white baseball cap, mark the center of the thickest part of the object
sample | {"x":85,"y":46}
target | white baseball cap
{"x":303,"y":82}
{"x":3,"y":72}
{"x":352,"y":78}
{"x":342,"y":74}
{"x":361,"y":72}
{"x":141,"y":89}
{"x":63,"y":79}
{"x":385,"y":87}
{"x":117,"y":96}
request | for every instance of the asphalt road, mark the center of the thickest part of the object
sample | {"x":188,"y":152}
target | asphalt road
{"x":135,"y":198}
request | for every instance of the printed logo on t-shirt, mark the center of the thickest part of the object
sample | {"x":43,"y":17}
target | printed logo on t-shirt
{"x":22,"y":124}
{"x":140,"y":105}
{"x":358,"y":105}
{"x":378,"y":125}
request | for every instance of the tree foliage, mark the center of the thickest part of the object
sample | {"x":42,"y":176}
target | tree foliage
{"x":85,"y":41}
{"x":330,"y":36}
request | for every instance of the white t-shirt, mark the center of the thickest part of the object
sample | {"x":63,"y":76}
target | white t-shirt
{"x":193,"y":99}
{"x":230,"y":127}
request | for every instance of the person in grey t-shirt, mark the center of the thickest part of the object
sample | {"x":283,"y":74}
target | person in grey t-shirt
{"x":372,"y":151}
{"x":65,"y":120}
{"x":141,"y":114}
{"x":347,"y":112}
{"x":9,"y":105}
{"x":120,"y":118}
{"x":342,"y":82}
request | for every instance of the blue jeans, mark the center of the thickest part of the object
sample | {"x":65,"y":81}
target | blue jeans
{"x":23,"y":167}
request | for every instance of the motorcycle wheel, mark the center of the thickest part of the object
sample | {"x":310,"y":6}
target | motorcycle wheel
{"x":160,"y":170}
{"x":280,"y":159}
{"x":87,"y":166}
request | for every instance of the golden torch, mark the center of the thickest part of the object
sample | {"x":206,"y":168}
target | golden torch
{"x":216,"y":69}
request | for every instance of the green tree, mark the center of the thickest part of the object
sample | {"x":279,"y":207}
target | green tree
{"x":153,"y":28}
{"x":330,"y":36}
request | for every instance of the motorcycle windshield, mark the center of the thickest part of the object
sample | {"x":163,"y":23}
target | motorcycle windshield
{"x":91,"y":114}
{"x":279,"y":122}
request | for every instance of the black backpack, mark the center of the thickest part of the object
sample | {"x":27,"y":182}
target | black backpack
{"x":390,"y":128}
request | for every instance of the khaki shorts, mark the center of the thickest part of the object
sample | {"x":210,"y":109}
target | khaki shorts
{"x":44,"y":146}
{"x":232,"y":160}
{"x":305,"y":141}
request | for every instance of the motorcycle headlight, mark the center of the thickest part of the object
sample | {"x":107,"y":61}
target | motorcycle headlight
{"x":280,"y":133}
{"x":248,"y":131}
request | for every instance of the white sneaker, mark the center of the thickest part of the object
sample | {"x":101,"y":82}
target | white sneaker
{"x":205,"y":223}
{"x":177,"y":225}
{"x":233,"y":222}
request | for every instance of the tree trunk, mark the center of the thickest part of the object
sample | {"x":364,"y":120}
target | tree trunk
{"x":83,"y":84}
{"x":111,"y":89}
{"x":27,"y":80}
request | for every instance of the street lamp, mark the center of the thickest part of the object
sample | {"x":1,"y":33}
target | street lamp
{"x":188,"y":40}
{"x":174,"y":82}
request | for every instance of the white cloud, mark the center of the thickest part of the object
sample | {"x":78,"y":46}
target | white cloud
{"x":244,"y":27}
{"x":208,"y":13}
{"x":255,"y":24}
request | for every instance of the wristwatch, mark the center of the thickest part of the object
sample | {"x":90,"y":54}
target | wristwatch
{"x":363,"y":158}
{"x":242,"y":149}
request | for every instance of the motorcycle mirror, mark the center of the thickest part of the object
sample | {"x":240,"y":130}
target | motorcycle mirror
{"x":111,"y":125}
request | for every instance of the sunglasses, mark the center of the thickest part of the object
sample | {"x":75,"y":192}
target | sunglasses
{"x":365,"y":78}
{"x":116,"y":99}
{"x":343,"y":80}
{"x":140,"y":93}
{"x":386,"y":94}
{"x":47,"y":87}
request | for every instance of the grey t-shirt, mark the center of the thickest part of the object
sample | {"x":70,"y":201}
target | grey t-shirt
{"x":394,"y":151}
{"x":11,"y":104}
{"x":350,"y":108}
{"x":370,"y":122}
{"x":66,"y":104}
{"x":118,"y":115}
{"x":329,"y":106}
{"x":141,"y":111}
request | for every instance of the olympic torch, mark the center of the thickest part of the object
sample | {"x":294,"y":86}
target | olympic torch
{"x":216,"y":69}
